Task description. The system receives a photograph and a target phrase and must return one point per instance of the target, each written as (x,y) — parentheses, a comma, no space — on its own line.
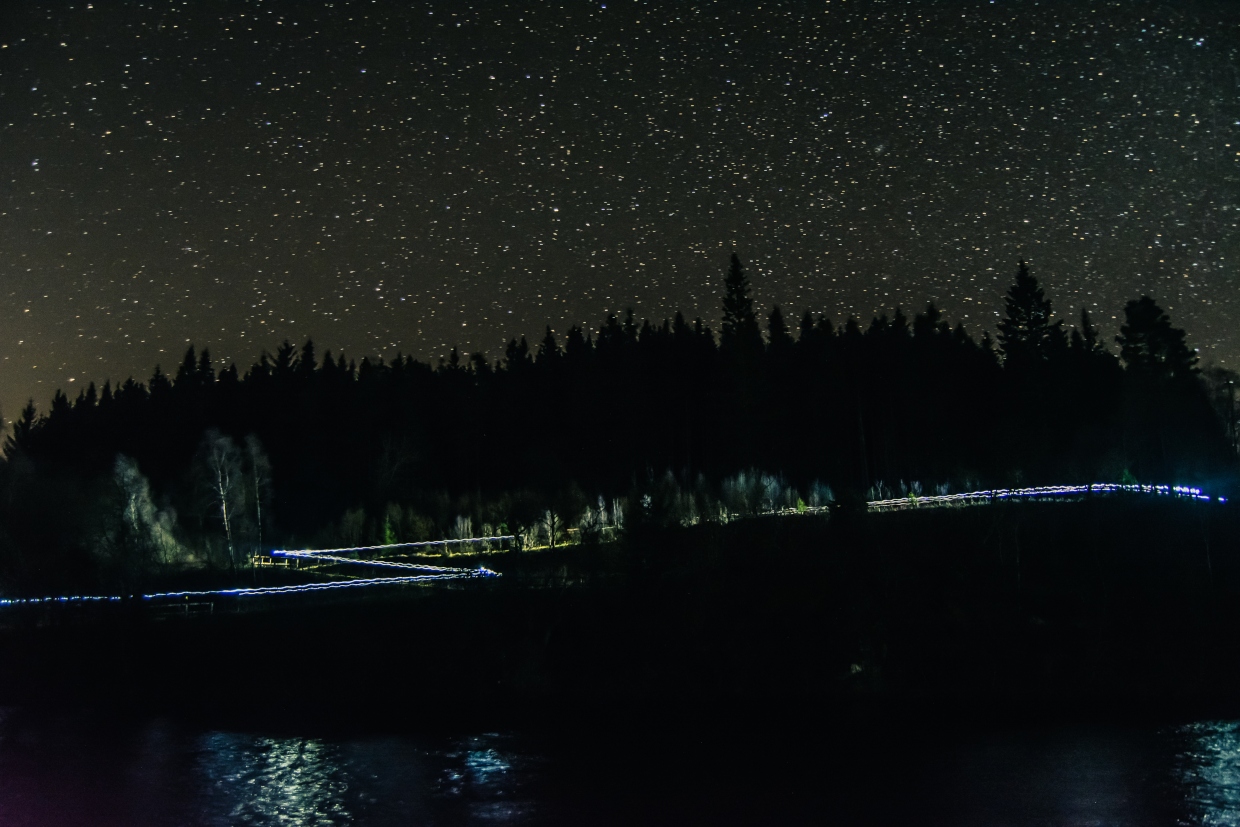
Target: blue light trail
(434,573)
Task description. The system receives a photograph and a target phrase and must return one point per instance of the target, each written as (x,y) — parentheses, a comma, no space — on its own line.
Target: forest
(580,437)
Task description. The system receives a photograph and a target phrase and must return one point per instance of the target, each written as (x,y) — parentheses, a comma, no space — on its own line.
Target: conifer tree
(575,344)
(1150,346)
(779,339)
(516,355)
(807,327)
(285,360)
(548,350)
(307,362)
(1085,337)
(206,373)
(740,333)
(479,365)
(23,430)
(1027,336)
(187,373)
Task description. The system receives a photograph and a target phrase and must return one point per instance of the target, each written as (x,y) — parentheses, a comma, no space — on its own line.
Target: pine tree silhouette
(740,333)
(1027,336)
(778,338)
(1150,346)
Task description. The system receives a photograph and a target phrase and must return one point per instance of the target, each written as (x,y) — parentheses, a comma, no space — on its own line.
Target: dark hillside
(1122,603)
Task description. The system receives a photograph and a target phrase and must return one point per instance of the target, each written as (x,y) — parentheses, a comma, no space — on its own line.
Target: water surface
(77,769)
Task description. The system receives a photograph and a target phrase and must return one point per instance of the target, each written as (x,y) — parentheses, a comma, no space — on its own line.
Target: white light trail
(462,574)
(306,552)
(307,555)
(1044,491)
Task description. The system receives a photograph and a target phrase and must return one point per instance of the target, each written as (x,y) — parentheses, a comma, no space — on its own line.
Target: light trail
(990,495)
(434,573)
(77,598)
(450,573)
(356,562)
(462,574)
(309,552)
(458,574)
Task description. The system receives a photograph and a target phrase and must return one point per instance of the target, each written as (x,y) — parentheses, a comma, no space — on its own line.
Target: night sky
(387,176)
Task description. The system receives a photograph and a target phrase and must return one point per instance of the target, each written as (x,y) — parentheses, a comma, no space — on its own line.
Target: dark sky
(391,175)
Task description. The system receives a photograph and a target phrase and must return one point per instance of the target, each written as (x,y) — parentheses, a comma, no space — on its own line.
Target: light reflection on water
(278,781)
(75,770)
(71,771)
(1207,768)
(308,781)
(481,772)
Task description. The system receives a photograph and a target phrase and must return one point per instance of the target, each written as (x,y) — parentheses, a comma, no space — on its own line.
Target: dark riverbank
(1103,607)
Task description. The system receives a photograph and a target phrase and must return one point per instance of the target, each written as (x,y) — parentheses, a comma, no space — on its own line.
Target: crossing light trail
(433,573)
(363,562)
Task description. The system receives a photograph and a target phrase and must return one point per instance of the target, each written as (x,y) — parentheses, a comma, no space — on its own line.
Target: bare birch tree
(259,483)
(225,484)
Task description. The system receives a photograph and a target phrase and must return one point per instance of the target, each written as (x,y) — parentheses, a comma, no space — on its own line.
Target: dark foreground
(1022,664)
(1126,606)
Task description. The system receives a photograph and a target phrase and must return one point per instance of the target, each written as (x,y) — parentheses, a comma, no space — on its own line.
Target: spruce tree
(1027,336)
(159,385)
(206,373)
(1151,347)
(1088,334)
(779,339)
(807,327)
(548,350)
(740,326)
(187,373)
(23,430)
(306,362)
(517,355)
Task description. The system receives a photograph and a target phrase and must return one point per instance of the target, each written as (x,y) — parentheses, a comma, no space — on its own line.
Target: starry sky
(385,176)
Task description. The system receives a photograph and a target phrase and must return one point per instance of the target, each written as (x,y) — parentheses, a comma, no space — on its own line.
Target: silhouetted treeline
(307,436)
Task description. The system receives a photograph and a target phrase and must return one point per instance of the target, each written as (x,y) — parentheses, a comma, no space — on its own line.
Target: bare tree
(259,483)
(220,461)
(135,537)
(554,526)
(462,529)
(138,512)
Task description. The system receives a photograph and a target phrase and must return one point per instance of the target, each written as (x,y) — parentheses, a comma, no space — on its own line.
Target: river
(80,769)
